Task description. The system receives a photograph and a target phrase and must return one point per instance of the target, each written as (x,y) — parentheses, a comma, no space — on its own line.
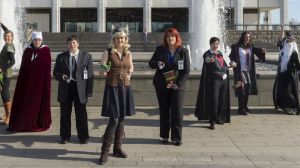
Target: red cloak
(31,102)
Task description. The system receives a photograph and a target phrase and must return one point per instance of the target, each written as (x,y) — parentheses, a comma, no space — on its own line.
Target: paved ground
(264,139)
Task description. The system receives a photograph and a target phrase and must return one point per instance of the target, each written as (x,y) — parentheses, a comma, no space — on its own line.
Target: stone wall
(144,92)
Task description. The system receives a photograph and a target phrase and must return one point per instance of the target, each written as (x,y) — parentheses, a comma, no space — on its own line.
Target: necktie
(74,67)
(247,59)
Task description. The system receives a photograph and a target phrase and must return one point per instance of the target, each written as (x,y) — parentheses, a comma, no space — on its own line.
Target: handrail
(271,27)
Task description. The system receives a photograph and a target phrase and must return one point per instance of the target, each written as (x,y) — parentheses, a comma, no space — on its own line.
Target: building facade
(153,15)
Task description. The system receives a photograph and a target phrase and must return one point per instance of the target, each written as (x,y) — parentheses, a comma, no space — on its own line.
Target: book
(170,77)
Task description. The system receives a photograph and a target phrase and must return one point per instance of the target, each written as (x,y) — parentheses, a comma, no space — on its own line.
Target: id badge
(180,65)
(85,74)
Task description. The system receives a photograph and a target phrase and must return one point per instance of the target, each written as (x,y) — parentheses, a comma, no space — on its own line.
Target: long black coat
(285,89)
(204,105)
(235,56)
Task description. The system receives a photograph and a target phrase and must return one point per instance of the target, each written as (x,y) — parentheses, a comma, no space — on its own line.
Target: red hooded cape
(31,102)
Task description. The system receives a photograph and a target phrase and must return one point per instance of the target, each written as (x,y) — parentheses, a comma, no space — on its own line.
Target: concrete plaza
(264,139)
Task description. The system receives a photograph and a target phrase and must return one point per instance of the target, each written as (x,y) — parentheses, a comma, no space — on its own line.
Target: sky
(294,12)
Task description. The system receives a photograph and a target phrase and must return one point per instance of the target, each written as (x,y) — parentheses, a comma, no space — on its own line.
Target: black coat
(235,56)
(160,54)
(203,104)
(285,89)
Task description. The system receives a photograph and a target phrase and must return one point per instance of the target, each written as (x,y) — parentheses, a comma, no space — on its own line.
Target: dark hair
(242,38)
(213,39)
(8,31)
(71,38)
(174,32)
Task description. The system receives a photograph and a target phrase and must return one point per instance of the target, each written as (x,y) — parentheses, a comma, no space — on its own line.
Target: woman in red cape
(31,102)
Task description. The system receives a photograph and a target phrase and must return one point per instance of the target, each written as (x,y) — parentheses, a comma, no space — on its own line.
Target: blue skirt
(118,101)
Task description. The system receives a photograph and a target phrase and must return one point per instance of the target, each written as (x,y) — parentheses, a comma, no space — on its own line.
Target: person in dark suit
(245,74)
(74,71)
(172,65)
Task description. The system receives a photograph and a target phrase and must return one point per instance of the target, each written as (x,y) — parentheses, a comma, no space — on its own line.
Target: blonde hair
(126,45)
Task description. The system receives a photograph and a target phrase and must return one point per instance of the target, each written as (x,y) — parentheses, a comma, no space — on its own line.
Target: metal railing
(264,27)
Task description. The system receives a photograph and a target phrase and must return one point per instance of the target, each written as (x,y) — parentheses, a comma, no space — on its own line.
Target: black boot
(212,125)
(119,134)
(107,141)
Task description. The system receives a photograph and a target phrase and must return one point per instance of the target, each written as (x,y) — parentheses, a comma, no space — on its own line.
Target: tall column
(147,15)
(101,16)
(270,17)
(191,10)
(55,23)
(239,14)
(284,15)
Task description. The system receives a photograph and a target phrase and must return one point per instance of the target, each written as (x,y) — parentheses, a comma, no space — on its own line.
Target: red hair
(174,32)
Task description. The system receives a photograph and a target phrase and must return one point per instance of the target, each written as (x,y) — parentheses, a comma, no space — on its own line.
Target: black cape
(204,99)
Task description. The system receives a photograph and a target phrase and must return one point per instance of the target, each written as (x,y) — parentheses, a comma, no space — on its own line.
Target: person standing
(171,61)
(73,70)
(245,74)
(7,60)
(31,103)
(213,102)
(145,31)
(285,90)
(118,99)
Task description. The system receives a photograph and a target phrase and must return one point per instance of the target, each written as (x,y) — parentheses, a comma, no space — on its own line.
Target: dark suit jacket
(214,69)
(84,86)
(160,54)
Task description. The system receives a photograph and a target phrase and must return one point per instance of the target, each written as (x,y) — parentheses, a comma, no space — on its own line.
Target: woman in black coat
(172,65)
(245,74)
(213,101)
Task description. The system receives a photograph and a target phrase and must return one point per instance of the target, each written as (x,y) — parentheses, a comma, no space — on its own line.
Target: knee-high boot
(7,107)
(107,141)
(119,134)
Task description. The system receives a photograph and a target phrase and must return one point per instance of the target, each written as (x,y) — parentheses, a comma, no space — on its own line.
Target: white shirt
(243,52)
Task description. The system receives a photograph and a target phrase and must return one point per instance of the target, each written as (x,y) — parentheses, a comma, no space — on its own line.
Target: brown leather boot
(3,117)
(107,141)
(119,134)
(7,107)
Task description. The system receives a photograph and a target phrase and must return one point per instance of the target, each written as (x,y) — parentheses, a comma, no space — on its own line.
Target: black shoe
(212,126)
(242,112)
(84,141)
(178,143)
(221,122)
(164,141)
(247,110)
(64,141)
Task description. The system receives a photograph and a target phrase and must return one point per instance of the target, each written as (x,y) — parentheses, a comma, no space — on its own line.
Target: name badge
(85,74)
(180,65)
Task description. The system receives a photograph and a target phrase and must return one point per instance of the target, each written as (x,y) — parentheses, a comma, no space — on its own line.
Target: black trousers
(170,110)
(219,97)
(243,95)
(80,114)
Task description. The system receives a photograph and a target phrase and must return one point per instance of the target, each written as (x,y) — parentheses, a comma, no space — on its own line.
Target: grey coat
(84,86)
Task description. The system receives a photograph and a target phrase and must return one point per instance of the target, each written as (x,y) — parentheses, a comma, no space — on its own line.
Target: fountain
(207,21)
(11,15)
